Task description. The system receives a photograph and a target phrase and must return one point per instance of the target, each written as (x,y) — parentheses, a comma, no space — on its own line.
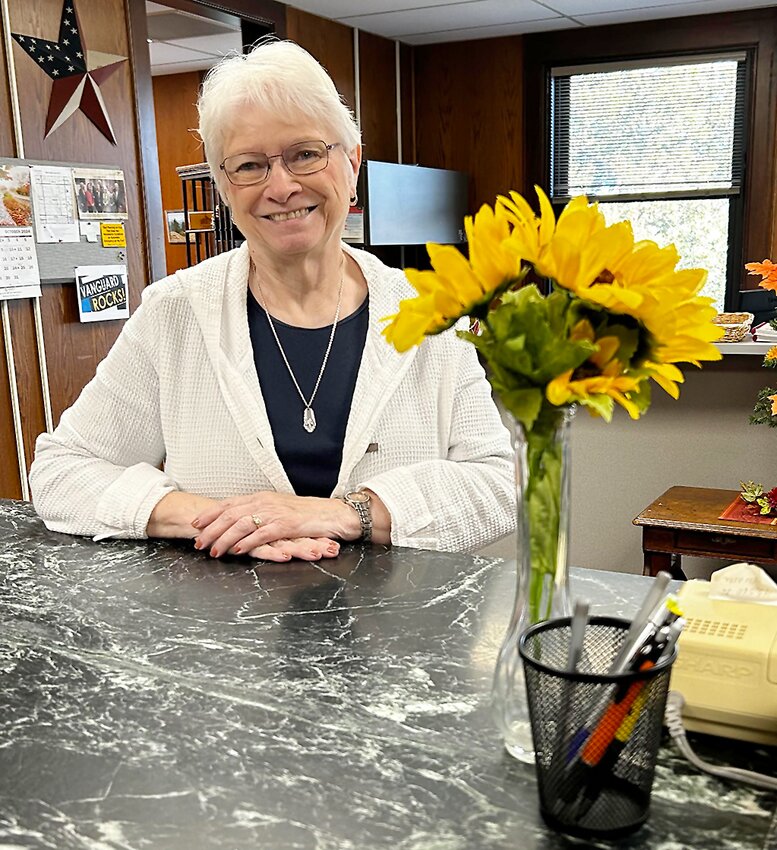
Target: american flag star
(76,81)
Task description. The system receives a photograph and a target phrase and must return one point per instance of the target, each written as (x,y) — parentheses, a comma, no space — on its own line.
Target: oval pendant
(309,420)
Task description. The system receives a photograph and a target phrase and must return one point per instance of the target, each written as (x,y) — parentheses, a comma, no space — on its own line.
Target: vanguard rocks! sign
(102,293)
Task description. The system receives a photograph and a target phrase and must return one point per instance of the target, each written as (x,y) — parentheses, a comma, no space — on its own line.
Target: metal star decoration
(77,73)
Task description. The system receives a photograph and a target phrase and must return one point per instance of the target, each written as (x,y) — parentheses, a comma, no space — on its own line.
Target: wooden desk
(684,521)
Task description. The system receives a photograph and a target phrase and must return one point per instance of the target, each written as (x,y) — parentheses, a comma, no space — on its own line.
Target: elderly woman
(251,402)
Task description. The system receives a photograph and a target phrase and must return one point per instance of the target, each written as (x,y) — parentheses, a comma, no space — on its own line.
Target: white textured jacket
(176,405)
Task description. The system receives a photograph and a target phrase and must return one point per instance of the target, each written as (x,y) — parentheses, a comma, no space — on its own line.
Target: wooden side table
(684,521)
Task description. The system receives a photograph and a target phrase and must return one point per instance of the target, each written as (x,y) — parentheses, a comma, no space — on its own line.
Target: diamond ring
(257,519)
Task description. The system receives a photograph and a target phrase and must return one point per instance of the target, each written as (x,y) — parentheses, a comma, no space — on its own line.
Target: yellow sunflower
(605,266)
(457,287)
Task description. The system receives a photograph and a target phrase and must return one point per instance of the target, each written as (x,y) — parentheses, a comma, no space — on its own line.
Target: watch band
(360,502)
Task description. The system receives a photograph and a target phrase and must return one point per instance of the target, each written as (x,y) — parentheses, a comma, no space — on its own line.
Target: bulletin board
(58,260)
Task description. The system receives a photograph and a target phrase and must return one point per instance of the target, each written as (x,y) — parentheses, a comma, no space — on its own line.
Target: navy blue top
(311,460)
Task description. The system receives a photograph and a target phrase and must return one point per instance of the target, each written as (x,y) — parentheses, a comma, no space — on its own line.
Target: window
(660,142)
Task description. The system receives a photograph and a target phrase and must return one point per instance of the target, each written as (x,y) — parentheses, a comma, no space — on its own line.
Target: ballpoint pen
(596,781)
(576,640)
(654,598)
(664,614)
(602,735)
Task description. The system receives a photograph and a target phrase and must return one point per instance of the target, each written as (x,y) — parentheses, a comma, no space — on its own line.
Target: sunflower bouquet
(765,410)
(617,316)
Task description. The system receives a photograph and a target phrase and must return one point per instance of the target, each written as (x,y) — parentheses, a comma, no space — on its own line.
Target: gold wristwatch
(360,502)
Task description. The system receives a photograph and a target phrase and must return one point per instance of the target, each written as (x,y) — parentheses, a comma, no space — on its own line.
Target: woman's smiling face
(289,214)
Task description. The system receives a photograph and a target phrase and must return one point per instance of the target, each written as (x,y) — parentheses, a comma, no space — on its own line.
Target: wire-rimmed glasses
(246,169)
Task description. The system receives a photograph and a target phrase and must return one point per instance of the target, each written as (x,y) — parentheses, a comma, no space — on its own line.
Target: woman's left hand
(243,523)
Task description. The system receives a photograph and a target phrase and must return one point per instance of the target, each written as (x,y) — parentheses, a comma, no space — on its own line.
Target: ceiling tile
(454,16)
(175,25)
(472,33)
(177,68)
(162,53)
(216,45)
(337,9)
(577,8)
(676,10)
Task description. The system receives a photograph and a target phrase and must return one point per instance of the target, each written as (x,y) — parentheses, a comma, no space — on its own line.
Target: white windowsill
(744,347)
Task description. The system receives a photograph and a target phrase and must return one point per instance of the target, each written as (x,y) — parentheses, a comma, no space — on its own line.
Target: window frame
(734,256)
(752,222)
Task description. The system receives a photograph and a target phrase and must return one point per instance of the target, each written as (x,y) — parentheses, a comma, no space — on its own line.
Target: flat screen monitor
(412,205)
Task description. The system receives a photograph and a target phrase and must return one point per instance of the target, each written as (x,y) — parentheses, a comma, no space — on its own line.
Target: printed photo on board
(99,193)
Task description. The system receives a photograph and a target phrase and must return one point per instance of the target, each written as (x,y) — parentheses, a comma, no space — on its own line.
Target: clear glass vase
(542,587)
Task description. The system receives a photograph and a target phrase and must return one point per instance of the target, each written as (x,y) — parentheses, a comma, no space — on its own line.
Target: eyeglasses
(247,169)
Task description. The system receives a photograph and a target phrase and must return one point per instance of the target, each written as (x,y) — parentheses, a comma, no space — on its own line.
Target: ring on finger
(257,520)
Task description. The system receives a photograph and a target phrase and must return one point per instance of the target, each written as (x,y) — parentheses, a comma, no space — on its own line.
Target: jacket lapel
(382,366)
(219,301)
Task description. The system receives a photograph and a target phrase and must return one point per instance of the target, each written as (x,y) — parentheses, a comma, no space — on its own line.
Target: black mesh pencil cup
(596,736)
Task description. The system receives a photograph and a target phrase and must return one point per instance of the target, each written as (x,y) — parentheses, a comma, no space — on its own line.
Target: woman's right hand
(304,548)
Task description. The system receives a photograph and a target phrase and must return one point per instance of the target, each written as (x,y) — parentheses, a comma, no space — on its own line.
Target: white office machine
(726,667)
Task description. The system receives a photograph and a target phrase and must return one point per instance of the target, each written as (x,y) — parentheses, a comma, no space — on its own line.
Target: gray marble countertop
(153,698)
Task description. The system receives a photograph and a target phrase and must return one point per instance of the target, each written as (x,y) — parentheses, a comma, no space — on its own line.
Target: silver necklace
(308,416)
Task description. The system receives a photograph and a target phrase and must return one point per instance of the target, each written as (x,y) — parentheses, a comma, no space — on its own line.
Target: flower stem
(542,501)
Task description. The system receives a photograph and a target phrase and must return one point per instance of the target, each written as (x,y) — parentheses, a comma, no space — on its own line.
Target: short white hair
(279,76)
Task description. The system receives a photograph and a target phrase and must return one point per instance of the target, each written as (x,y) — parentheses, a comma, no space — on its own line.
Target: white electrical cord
(674,723)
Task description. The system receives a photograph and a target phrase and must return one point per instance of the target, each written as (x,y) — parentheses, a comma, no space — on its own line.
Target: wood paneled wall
(469,108)
(72,349)
(377,82)
(10,484)
(175,106)
(331,43)
(407,103)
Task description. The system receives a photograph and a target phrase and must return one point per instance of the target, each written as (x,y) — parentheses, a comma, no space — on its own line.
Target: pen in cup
(574,653)
(654,598)
(601,771)
(595,783)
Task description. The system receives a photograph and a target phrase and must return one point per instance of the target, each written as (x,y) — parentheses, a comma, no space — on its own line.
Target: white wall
(704,440)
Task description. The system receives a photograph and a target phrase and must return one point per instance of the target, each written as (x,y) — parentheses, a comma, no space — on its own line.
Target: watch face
(357,496)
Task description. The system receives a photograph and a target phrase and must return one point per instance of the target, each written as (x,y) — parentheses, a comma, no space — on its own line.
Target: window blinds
(649,129)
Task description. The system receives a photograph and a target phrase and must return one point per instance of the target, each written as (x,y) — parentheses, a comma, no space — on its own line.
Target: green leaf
(602,405)
(524,404)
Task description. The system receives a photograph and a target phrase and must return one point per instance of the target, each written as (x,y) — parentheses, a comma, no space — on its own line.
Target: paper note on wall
(53,204)
(112,234)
